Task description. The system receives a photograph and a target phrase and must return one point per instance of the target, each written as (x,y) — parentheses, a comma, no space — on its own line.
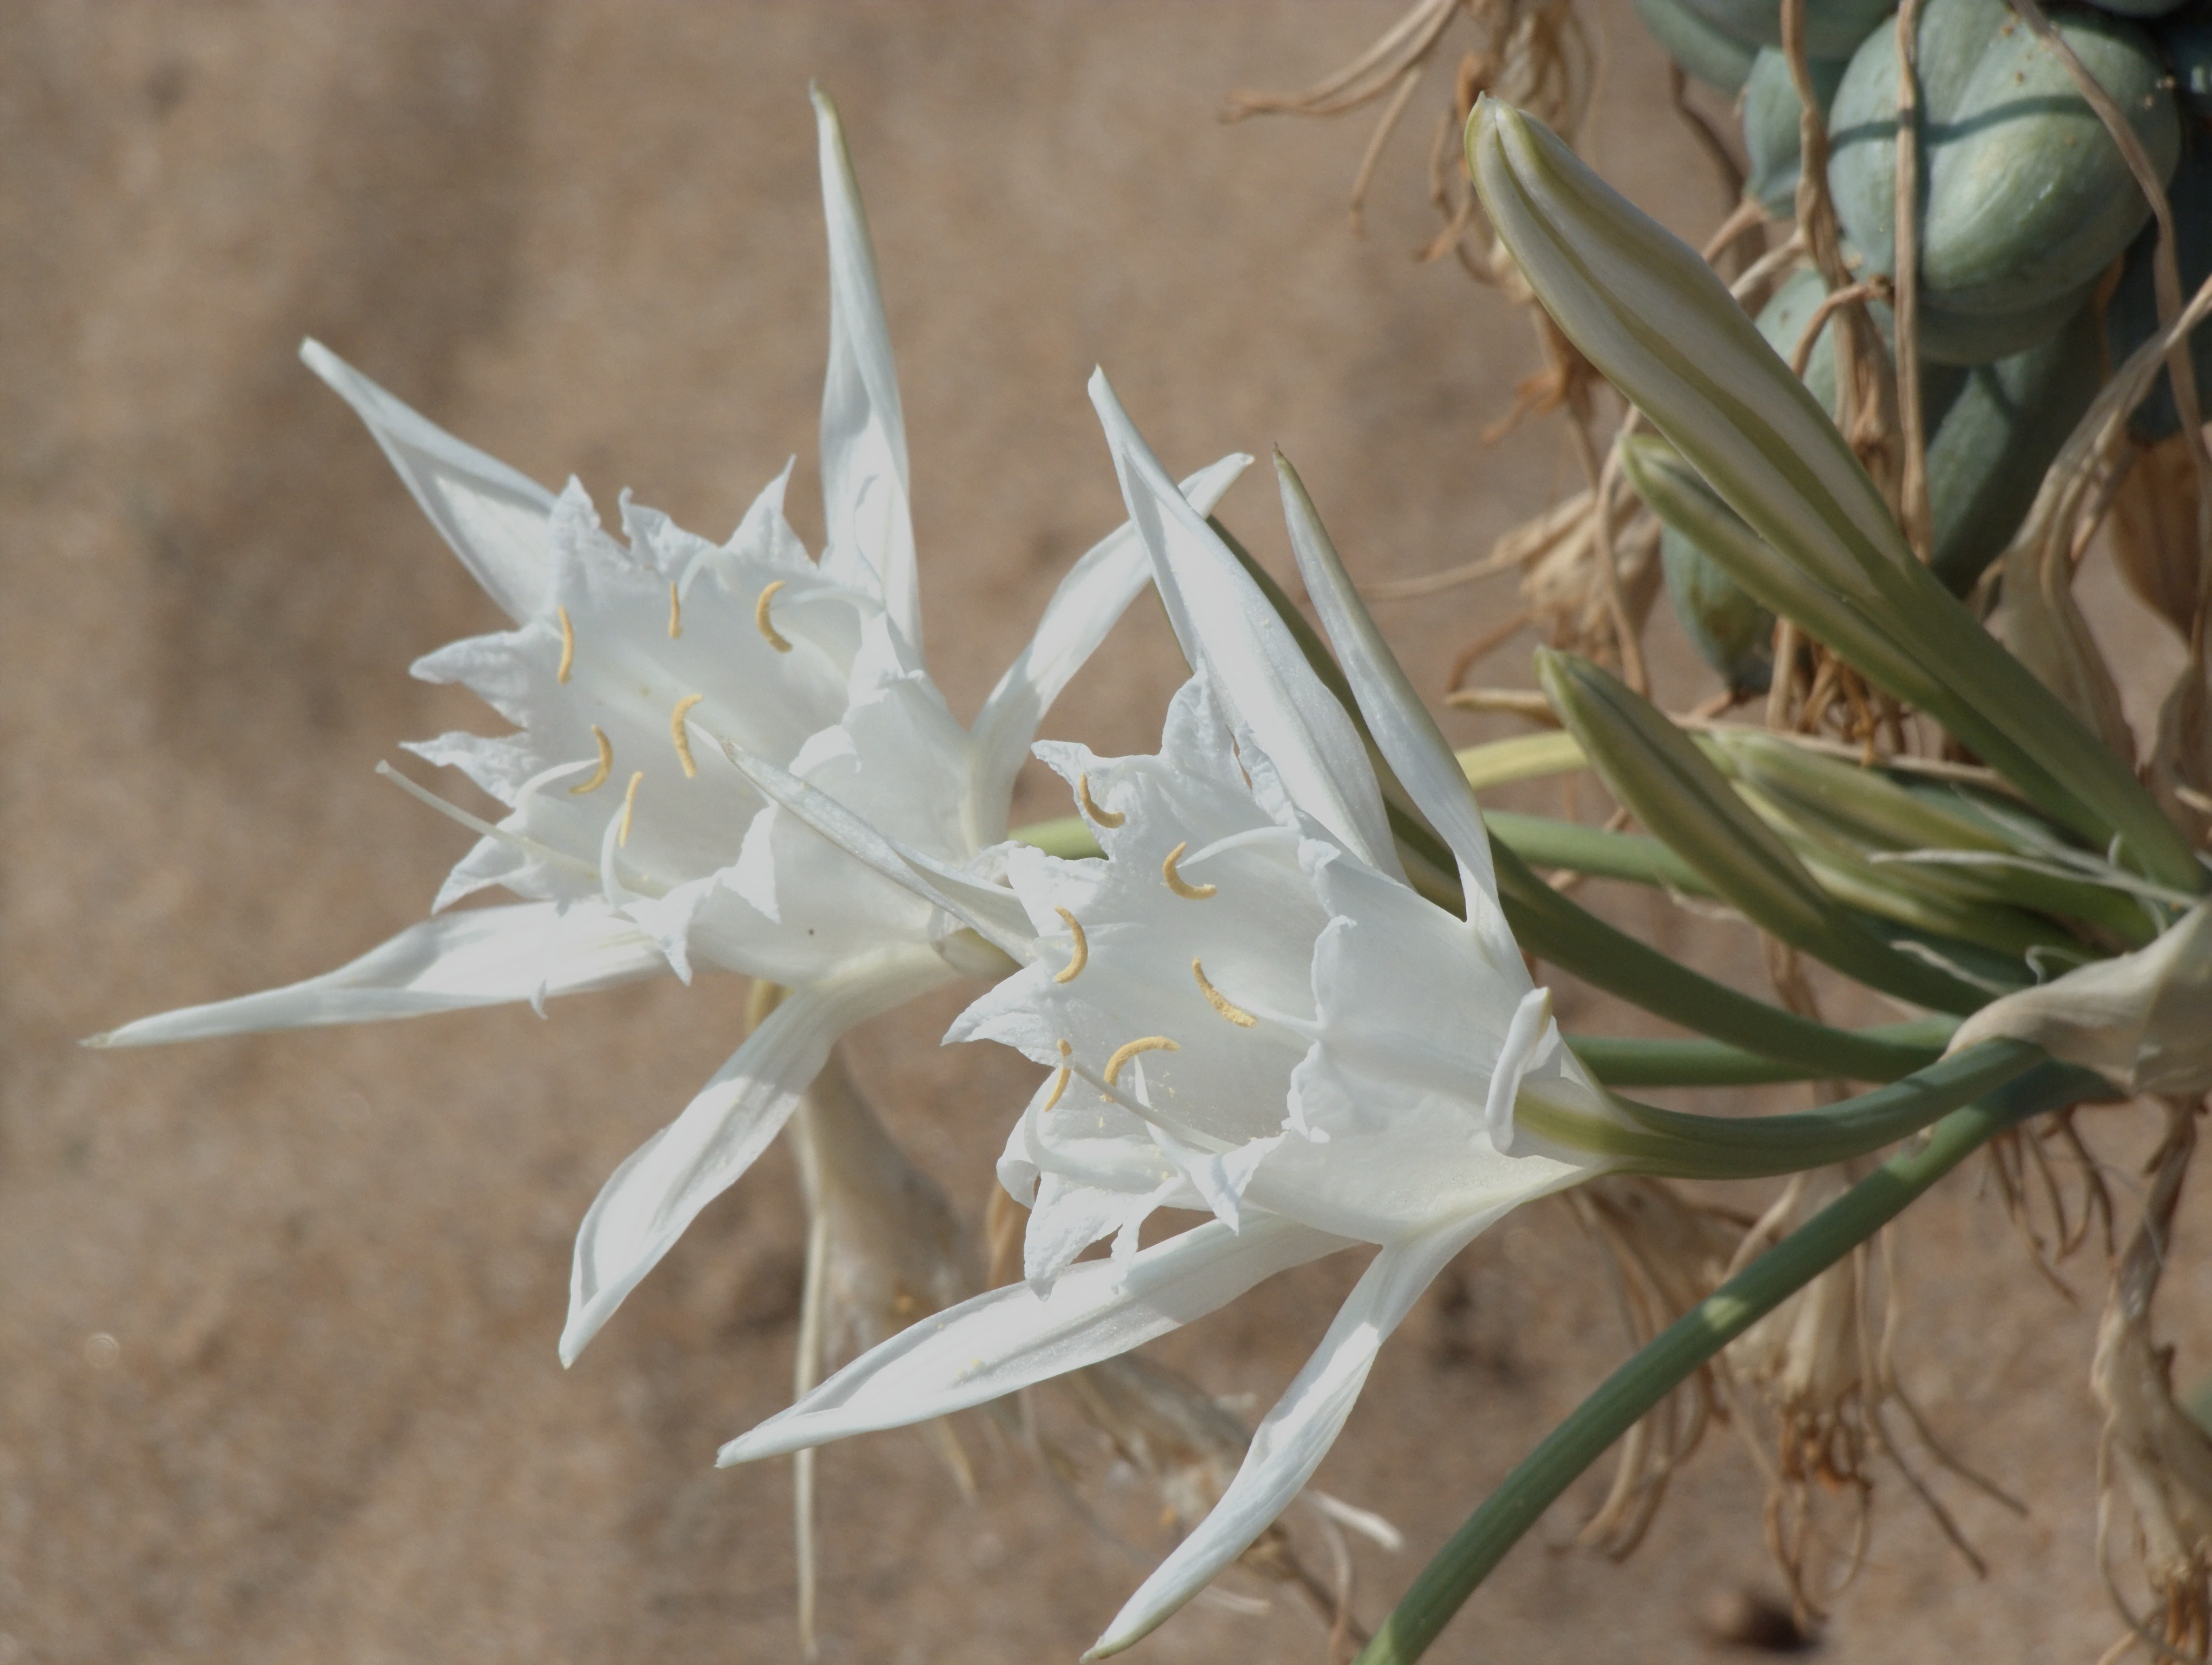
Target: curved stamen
(1081,956)
(1103,817)
(568,646)
(1129,1050)
(1060,1079)
(1177,883)
(768,632)
(1219,1002)
(629,808)
(599,777)
(674,613)
(676,729)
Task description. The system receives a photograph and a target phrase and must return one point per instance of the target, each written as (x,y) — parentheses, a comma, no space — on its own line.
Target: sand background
(277,1378)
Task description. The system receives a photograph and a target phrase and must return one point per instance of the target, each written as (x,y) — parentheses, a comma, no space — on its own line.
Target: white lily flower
(638,852)
(1250,1012)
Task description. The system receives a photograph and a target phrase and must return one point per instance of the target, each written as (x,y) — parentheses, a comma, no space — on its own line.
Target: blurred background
(277,1377)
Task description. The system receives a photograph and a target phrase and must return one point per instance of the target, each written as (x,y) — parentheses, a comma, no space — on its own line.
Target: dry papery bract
(2155,1462)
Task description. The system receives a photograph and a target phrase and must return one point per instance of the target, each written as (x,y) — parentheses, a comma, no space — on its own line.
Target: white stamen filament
(1235,841)
(568,646)
(477,824)
(674,613)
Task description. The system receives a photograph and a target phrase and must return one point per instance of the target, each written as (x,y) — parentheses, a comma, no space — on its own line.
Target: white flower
(640,851)
(1247,1010)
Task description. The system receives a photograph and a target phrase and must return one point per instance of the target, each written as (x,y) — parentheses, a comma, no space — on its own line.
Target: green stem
(1621,1061)
(1687,1344)
(1677,1145)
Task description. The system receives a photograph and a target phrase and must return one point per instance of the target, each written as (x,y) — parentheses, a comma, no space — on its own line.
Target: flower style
(636,845)
(1246,1009)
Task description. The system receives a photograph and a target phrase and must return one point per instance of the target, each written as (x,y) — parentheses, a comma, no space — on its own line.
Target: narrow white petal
(1011,1337)
(1257,667)
(1093,595)
(475,957)
(995,915)
(1404,731)
(1289,1444)
(493,516)
(864,473)
(648,1200)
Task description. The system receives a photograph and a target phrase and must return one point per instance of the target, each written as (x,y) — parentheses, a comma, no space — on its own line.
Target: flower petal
(478,957)
(1289,1444)
(1093,595)
(658,1191)
(1011,1337)
(1257,668)
(493,516)
(864,474)
(1405,733)
(994,914)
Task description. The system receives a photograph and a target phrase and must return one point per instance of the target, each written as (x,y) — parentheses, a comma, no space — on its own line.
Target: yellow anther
(1081,957)
(568,646)
(760,617)
(629,808)
(606,764)
(1176,881)
(1129,1050)
(1059,1077)
(674,613)
(1219,1002)
(682,739)
(1103,817)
